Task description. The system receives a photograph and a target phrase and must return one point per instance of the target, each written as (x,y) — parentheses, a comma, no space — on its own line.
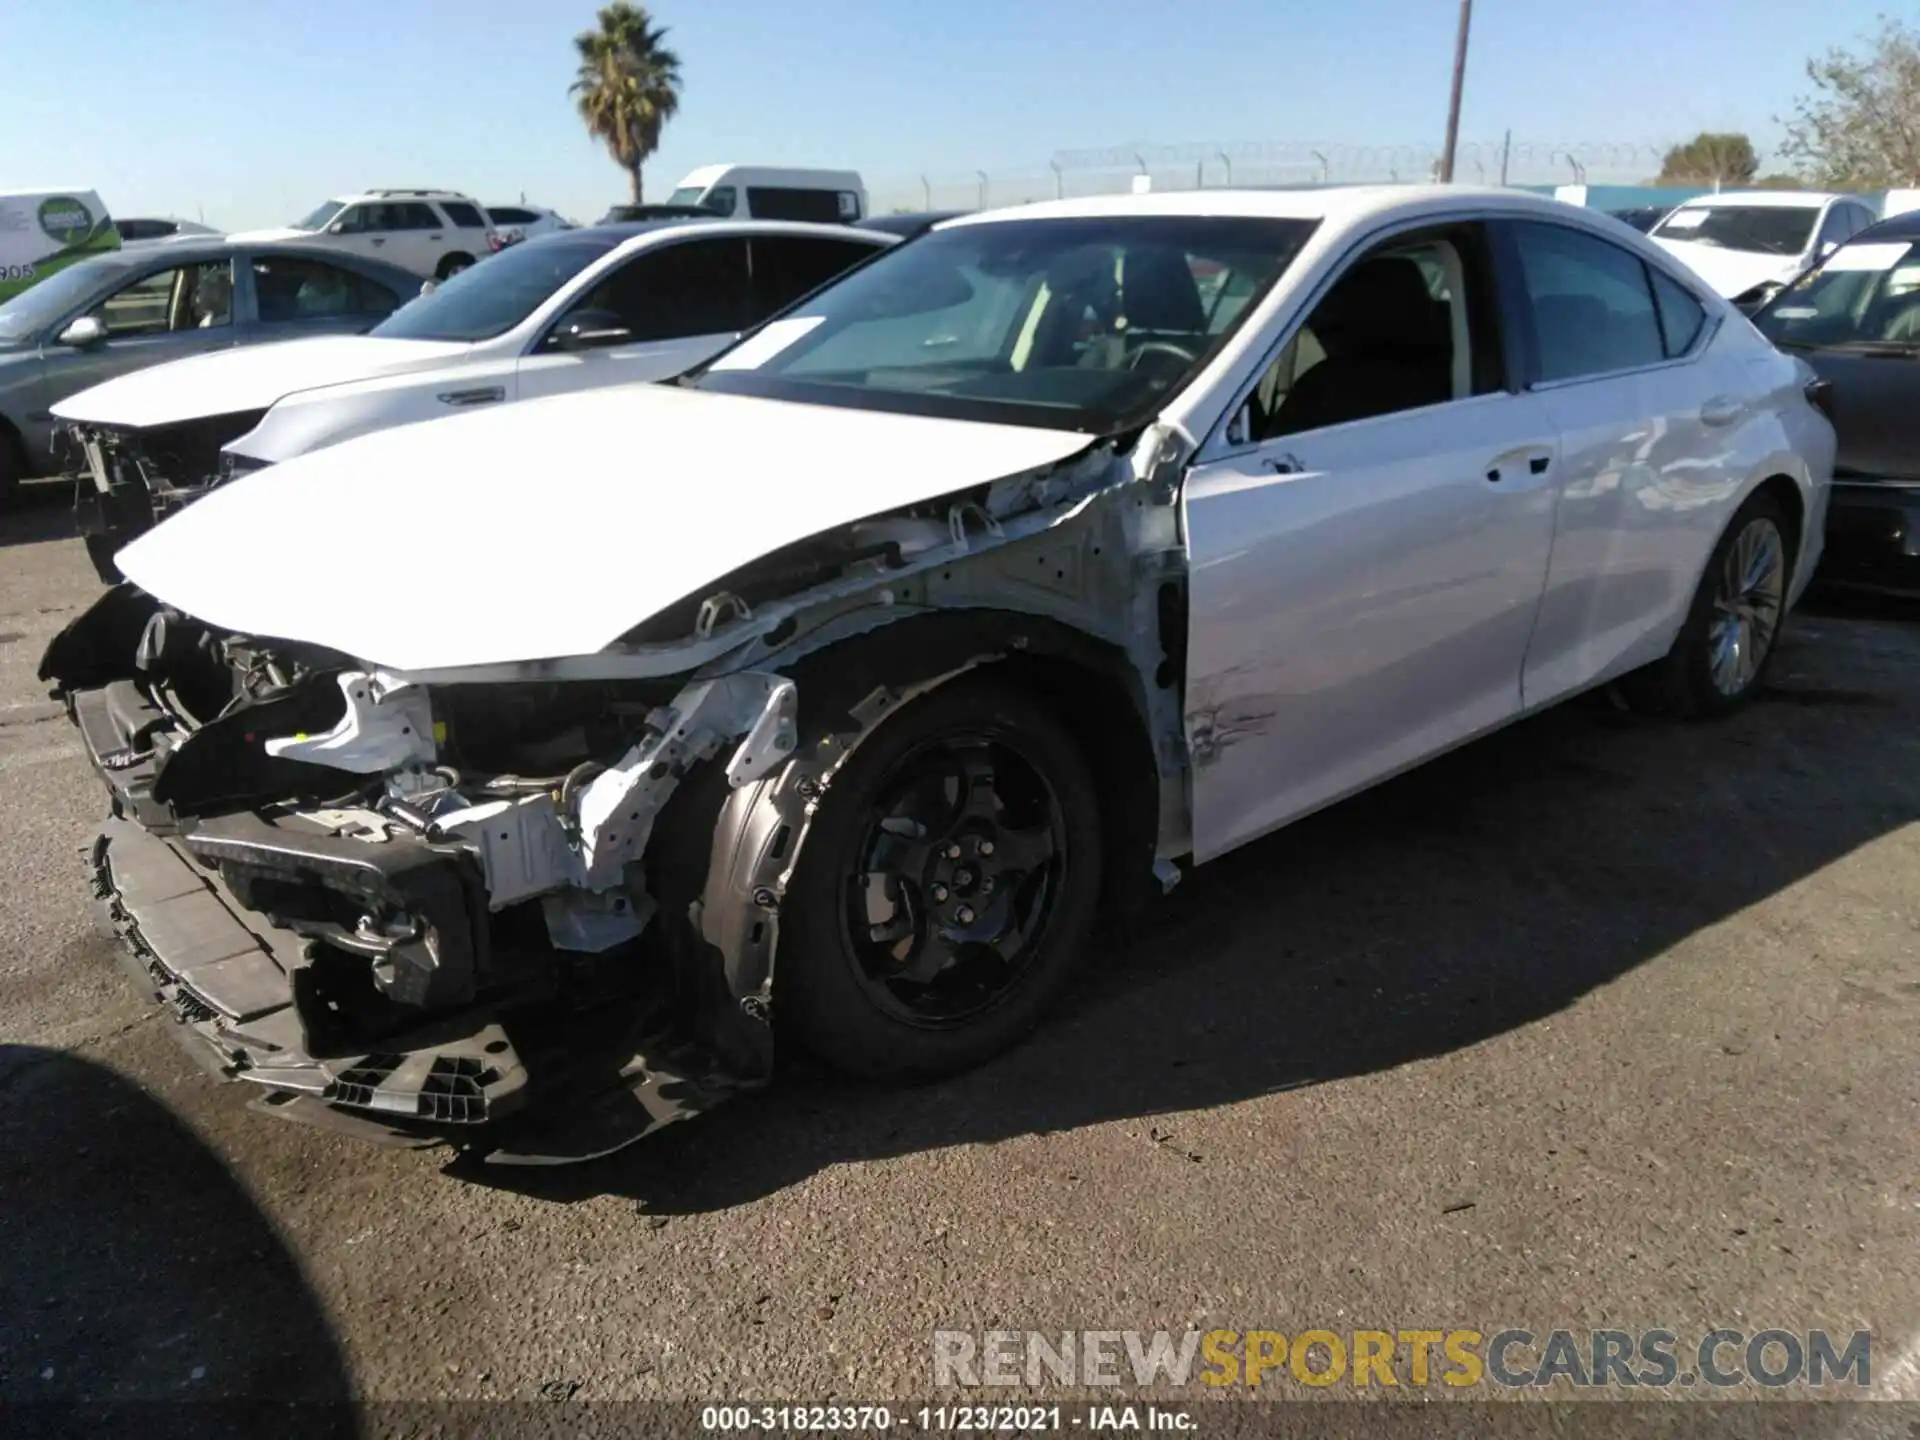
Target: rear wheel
(1722,652)
(947,885)
(451,265)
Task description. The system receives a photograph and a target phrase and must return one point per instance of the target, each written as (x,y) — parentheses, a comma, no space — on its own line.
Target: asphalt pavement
(1597,1023)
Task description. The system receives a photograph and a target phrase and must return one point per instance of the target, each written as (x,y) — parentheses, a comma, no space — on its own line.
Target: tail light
(1820,396)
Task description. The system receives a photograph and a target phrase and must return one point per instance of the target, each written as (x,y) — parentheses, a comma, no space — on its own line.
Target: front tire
(948,883)
(1720,658)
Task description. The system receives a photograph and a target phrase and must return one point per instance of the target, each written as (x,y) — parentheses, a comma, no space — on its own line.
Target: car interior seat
(1388,347)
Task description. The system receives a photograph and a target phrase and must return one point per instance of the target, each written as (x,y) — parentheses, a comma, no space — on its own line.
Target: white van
(43,230)
(763,192)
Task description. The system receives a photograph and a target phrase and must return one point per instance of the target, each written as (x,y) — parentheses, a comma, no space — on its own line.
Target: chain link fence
(1119,169)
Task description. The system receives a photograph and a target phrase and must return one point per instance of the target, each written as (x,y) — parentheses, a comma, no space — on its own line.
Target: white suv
(430,232)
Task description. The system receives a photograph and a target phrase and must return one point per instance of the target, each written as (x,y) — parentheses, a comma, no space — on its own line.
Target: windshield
(1075,324)
(1758,229)
(492,297)
(31,311)
(1866,294)
(687,195)
(317,218)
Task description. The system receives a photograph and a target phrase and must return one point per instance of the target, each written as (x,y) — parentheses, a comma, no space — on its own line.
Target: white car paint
(250,379)
(726,188)
(634,527)
(1360,596)
(1735,272)
(318,392)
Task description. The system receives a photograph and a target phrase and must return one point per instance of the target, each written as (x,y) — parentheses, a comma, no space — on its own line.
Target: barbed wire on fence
(1206,164)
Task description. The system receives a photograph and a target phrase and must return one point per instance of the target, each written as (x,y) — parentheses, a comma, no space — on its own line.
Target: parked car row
(1748,244)
(576,310)
(513,779)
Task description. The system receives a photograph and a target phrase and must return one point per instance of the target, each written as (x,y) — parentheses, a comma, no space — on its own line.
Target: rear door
(666,309)
(1367,541)
(295,296)
(1620,356)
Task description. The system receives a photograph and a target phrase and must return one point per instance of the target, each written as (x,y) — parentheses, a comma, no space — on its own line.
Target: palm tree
(628,85)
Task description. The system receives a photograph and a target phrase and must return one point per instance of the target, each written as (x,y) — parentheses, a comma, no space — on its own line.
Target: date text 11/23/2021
(946,1419)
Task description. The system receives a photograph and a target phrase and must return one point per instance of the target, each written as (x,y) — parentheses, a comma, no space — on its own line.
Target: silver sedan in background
(137,307)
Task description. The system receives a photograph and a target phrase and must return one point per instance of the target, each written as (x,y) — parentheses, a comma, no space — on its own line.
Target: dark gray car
(137,307)
(1855,318)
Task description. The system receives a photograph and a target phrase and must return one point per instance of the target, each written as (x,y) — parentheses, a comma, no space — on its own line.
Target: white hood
(550,527)
(250,378)
(1731,272)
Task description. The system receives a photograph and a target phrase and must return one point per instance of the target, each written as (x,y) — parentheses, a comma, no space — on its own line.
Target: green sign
(65,219)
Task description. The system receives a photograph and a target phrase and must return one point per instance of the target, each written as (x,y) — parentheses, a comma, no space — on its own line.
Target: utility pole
(1459,81)
(1506,153)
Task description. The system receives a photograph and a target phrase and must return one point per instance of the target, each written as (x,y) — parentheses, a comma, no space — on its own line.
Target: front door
(165,314)
(1367,544)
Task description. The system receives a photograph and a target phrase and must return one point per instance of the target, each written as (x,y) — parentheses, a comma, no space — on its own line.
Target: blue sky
(254,110)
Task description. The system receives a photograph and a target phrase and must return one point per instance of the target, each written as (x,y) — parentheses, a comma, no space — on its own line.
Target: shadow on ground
(1489,889)
(134,1268)
(40,510)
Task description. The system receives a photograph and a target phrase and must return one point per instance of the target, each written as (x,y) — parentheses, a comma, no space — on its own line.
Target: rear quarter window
(467,217)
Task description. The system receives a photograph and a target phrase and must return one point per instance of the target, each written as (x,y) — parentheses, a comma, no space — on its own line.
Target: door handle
(378,240)
(1538,463)
(1722,410)
(481,395)
(436,237)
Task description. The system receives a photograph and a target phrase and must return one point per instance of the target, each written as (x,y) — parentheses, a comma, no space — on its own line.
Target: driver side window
(1407,325)
(187,297)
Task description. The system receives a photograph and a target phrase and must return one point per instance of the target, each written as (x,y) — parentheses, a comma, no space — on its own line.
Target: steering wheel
(1161,347)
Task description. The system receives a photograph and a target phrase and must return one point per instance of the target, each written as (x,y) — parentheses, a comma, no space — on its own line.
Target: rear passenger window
(783,202)
(463,215)
(785,267)
(1681,316)
(293,288)
(414,216)
(1592,304)
(695,287)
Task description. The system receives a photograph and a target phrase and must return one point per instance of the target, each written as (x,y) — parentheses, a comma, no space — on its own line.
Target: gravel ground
(1595,1023)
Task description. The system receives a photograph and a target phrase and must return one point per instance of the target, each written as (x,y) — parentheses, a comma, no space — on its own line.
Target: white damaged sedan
(513,779)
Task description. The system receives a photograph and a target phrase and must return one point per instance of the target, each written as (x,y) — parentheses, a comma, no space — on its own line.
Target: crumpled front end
(402,912)
(128,480)
(534,906)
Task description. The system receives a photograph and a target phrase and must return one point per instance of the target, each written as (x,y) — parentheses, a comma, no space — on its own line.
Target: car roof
(192,249)
(620,231)
(1766,199)
(1337,204)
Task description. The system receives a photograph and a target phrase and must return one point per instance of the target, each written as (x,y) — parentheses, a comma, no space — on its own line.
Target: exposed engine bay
(542,900)
(129,480)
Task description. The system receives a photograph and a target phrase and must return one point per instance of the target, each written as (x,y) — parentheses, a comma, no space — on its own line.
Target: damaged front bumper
(126,481)
(401,961)
(231,980)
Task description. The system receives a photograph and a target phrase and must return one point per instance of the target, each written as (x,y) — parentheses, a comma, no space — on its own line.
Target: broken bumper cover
(230,979)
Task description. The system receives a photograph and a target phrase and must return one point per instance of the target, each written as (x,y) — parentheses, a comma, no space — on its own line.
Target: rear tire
(948,883)
(1719,659)
(451,265)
